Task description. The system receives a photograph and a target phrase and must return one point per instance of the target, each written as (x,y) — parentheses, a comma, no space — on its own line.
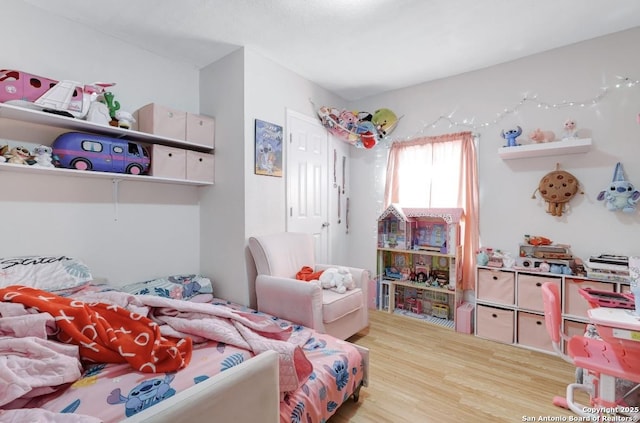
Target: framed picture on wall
(268,149)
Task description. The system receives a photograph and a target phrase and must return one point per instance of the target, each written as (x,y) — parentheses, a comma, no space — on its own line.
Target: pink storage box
(162,121)
(168,162)
(574,303)
(200,167)
(530,291)
(200,130)
(496,286)
(176,124)
(464,318)
(495,324)
(532,331)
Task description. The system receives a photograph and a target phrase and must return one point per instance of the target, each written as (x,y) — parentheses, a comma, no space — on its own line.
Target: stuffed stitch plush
(621,194)
(338,279)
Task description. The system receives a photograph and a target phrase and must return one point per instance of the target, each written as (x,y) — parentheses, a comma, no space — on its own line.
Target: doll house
(432,229)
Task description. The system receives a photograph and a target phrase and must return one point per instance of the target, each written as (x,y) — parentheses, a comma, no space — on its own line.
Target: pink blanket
(31,365)
(203,321)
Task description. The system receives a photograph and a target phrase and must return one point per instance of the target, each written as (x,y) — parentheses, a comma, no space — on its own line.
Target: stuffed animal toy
(17,155)
(539,136)
(621,194)
(511,136)
(125,119)
(42,156)
(557,188)
(569,130)
(385,121)
(337,279)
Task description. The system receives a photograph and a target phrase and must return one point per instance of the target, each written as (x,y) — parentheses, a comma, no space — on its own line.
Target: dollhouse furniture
(419,251)
(278,257)
(601,362)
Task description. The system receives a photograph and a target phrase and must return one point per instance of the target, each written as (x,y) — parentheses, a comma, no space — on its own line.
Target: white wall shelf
(32,116)
(30,120)
(54,171)
(554,148)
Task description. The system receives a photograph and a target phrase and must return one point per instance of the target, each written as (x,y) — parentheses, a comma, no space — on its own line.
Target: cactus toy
(113,106)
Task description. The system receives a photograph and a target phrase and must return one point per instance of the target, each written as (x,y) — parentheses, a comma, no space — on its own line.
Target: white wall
(238,89)
(507,212)
(154,233)
(222,210)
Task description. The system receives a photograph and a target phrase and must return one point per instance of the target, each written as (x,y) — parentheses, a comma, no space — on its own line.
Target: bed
(173,348)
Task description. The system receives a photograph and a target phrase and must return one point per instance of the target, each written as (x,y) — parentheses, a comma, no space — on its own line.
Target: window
(94,146)
(439,172)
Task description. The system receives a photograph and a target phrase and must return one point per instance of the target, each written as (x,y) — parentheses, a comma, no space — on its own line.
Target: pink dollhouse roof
(449,215)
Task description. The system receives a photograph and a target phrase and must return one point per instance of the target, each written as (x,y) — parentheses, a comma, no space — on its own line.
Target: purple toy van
(76,150)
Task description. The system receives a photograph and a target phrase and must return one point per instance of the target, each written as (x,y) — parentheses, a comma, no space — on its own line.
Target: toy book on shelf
(410,228)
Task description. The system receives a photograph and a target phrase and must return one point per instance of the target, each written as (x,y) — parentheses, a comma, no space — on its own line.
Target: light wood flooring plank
(424,373)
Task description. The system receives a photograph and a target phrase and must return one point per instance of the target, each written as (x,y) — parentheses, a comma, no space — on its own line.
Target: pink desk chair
(600,362)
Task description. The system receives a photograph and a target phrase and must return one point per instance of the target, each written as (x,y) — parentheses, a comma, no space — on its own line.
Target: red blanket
(106,333)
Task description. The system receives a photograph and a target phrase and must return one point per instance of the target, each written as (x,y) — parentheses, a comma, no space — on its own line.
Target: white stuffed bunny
(338,279)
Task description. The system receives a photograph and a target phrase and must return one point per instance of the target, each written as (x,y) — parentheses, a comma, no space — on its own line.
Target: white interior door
(307,180)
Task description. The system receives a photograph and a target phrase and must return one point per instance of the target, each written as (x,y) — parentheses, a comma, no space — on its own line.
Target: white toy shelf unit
(419,262)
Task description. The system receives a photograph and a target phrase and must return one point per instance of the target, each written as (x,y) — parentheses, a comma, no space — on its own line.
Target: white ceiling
(354,48)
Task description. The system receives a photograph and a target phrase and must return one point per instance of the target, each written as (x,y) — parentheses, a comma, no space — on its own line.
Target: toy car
(67,98)
(76,150)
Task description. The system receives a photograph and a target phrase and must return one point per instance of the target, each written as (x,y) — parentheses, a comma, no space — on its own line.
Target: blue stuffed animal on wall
(511,136)
(621,194)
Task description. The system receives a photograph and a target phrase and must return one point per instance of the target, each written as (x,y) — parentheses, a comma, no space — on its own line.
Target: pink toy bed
(174,352)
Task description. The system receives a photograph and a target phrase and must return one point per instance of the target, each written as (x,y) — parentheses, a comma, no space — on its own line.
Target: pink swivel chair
(600,364)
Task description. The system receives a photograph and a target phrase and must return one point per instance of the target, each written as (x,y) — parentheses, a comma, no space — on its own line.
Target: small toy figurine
(621,194)
(42,156)
(511,136)
(17,155)
(125,119)
(113,106)
(539,136)
(569,129)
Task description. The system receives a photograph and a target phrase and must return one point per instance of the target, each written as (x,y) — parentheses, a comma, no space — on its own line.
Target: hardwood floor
(424,373)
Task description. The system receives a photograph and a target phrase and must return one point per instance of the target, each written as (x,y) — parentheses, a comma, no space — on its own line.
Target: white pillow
(49,273)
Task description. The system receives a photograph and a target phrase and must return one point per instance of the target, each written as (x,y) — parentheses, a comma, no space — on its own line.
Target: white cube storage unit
(510,309)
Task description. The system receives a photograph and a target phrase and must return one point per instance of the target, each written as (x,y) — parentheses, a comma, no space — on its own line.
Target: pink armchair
(279,257)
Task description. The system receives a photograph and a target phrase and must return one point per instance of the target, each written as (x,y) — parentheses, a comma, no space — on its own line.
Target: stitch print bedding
(192,342)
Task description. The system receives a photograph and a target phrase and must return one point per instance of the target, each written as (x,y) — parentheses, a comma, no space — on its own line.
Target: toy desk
(619,327)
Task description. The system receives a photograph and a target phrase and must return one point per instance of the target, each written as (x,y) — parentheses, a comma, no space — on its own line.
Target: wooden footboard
(246,393)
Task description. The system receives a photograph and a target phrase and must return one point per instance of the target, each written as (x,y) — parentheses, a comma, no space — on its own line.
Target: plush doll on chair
(337,279)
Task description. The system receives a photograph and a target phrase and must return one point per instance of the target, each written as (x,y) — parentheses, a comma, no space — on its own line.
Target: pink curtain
(425,160)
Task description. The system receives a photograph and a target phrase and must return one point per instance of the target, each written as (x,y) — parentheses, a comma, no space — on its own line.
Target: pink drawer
(168,162)
(532,331)
(494,323)
(200,166)
(162,121)
(200,130)
(496,286)
(530,291)
(574,303)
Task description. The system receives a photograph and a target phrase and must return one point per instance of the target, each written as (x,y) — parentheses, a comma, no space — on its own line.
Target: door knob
(325,224)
